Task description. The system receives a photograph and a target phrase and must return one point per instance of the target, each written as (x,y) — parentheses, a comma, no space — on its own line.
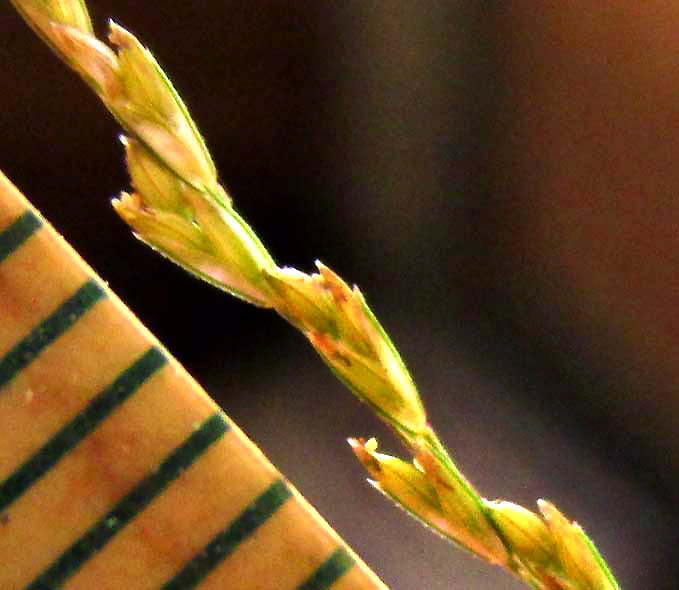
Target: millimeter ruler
(117,471)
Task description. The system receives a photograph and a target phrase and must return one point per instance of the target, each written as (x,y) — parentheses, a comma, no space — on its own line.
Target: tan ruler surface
(117,471)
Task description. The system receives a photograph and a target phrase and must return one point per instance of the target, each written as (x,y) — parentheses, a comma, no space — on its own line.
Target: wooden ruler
(117,471)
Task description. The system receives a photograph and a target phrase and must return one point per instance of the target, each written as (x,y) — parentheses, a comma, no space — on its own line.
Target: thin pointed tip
(547,509)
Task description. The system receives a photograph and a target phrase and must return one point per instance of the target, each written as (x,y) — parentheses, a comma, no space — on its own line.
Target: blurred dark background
(500,181)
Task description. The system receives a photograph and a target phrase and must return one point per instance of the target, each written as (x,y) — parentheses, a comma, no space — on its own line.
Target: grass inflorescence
(179,208)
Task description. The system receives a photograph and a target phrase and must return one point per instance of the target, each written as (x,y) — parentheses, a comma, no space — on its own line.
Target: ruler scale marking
(339,563)
(97,410)
(228,540)
(132,504)
(65,316)
(13,236)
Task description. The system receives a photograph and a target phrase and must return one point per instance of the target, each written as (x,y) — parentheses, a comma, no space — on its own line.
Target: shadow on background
(500,183)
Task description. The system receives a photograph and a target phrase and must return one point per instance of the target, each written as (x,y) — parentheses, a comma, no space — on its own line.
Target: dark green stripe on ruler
(228,540)
(338,564)
(17,233)
(132,504)
(80,426)
(67,314)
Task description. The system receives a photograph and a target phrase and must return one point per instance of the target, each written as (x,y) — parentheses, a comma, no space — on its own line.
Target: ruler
(117,471)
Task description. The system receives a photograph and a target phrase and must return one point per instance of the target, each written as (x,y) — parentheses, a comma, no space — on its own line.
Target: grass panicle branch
(179,208)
